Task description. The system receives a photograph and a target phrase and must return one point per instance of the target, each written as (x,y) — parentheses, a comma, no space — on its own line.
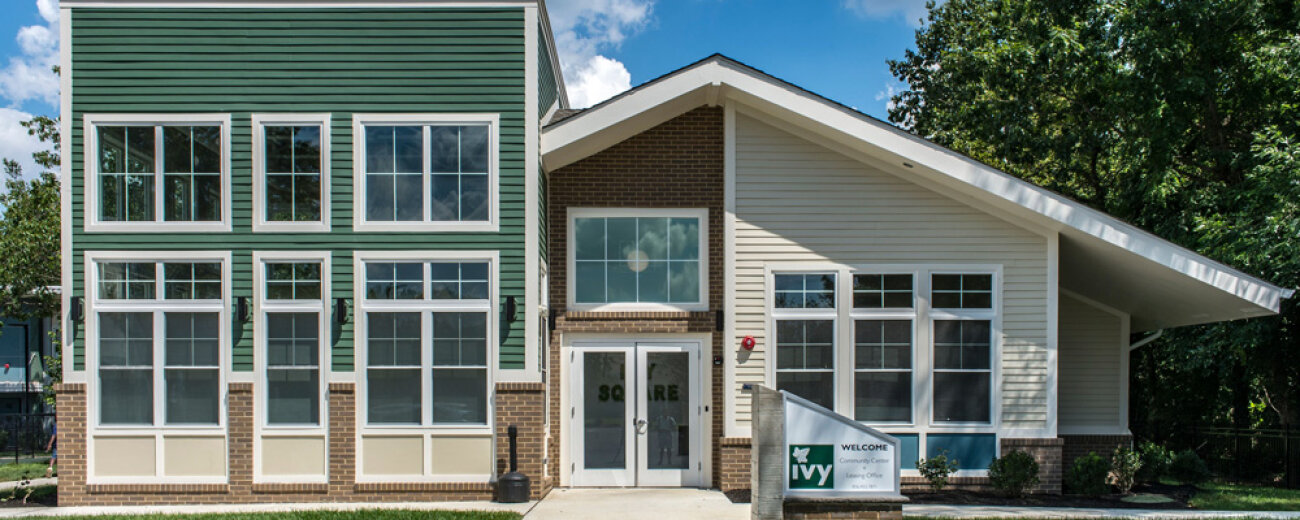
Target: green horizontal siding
(340,61)
(547,89)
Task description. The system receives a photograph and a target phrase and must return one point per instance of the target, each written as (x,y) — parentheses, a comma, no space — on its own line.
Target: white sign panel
(828,454)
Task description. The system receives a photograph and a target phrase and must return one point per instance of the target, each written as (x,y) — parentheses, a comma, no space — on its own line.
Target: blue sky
(836,48)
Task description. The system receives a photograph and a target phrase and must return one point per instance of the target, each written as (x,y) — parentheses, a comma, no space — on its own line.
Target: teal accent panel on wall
(972,450)
(244,61)
(909,449)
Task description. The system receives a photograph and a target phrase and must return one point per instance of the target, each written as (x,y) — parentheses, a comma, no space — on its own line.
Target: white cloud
(16,144)
(28,77)
(912,11)
(584,29)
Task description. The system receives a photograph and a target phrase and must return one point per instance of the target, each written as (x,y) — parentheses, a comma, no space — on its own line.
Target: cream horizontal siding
(1092,341)
(797,201)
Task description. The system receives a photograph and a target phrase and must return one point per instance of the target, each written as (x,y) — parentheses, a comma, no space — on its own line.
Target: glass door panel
(603,418)
(668,415)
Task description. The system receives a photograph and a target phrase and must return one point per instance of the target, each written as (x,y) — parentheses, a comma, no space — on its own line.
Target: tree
(30,233)
(1177,116)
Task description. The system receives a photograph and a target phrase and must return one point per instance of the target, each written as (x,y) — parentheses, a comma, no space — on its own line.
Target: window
(805,291)
(962,291)
(805,359)
(624,259)
(427,332)
(158,355)
(293,325)
(422,171)
(882,382)
(291,172)
(158,169)
(882,291)
(962,371)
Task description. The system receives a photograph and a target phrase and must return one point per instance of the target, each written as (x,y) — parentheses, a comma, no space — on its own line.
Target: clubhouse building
(329,250)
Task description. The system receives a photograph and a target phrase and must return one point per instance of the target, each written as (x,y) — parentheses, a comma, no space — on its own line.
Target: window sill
(291,227)
(157,227)
(427,227)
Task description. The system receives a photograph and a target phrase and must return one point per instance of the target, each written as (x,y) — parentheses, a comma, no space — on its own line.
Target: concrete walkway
(637,504)
(22,512)
(944,511)
(35,482)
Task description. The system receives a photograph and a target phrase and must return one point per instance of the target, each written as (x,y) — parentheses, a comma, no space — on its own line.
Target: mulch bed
(1180,495)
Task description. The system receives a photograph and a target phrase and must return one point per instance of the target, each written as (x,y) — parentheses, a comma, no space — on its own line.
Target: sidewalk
(945,511)
(21,512)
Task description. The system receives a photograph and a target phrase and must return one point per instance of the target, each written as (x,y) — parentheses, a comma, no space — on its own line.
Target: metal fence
(24,437)
(1270,456)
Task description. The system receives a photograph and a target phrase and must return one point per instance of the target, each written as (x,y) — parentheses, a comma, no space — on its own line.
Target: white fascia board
(202,4)
(573,138)
(562,93)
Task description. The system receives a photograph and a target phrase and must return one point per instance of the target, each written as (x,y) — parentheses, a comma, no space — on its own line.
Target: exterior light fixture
(637,260)
(511,309)
(241,308)
(341,310)
(74,308)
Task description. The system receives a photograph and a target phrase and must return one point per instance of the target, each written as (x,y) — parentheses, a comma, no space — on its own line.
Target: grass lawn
(1236,497)
(13,471)
(316,515)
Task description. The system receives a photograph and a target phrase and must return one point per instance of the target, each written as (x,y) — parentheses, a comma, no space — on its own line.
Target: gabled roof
(1158,283)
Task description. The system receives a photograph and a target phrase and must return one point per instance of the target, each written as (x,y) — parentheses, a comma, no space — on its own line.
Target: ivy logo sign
(812,466)
(828,454)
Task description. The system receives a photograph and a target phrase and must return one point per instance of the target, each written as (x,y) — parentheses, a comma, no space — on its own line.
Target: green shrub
(1155,462)
(1188,468)
(937,469)
(1124,465)
(1088,474)
(4,439)
(1014,474)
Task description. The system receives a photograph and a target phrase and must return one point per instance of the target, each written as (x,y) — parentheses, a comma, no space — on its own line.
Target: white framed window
(426,335)
(638,259)
(804,321)
(962,317)
(157,172)
(909,348)
(884,325)
(292,328)
(426,172)
(291,172)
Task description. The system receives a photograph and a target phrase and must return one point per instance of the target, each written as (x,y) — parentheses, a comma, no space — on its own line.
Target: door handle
(640,426)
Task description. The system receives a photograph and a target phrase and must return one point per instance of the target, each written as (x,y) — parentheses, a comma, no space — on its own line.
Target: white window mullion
(426,369)
(845,345)
(426,175)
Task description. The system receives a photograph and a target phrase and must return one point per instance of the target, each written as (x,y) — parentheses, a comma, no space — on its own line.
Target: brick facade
(735,468)
(1079,445)
(523,405)
(1047,452)
(518,404)
(678,164)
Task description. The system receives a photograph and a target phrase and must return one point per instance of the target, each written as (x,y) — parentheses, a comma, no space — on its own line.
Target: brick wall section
(342,487)
(1047,452)
(735,468)
(523,405)
(841,509)
(1079,445)
(70,402)
(678,164)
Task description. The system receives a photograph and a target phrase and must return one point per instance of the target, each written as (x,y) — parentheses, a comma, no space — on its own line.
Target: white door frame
(571,395)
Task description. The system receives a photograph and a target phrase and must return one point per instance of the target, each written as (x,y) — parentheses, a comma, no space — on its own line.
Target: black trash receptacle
(513,487)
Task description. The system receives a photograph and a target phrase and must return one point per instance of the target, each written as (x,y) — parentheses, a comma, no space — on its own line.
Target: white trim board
(659,100)
(276,4)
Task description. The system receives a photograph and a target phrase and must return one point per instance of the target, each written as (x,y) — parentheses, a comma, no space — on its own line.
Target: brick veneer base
(734,473)
(516,403)
(1079,445)
(841,509)
(1047,452)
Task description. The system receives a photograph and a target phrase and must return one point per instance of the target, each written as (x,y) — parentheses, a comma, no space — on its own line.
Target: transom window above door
(427,173)
(621,259)
(158,172)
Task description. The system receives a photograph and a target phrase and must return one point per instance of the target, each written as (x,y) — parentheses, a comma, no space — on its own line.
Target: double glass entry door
(635,415)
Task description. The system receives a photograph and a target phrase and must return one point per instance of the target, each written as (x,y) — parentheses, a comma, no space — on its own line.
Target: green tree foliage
(29,233)
(1180,117)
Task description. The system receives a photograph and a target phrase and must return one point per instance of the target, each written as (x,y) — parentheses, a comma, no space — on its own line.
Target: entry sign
(830,455)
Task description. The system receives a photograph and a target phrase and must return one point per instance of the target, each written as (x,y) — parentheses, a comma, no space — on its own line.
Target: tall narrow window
(459,367)
(293,338)
(126,368)
(882,381)
(426,172)
(127,162)
(293,173)
(805,359)
(394,362)
(963,374)
(192,372)
(191,173)
(293,368)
